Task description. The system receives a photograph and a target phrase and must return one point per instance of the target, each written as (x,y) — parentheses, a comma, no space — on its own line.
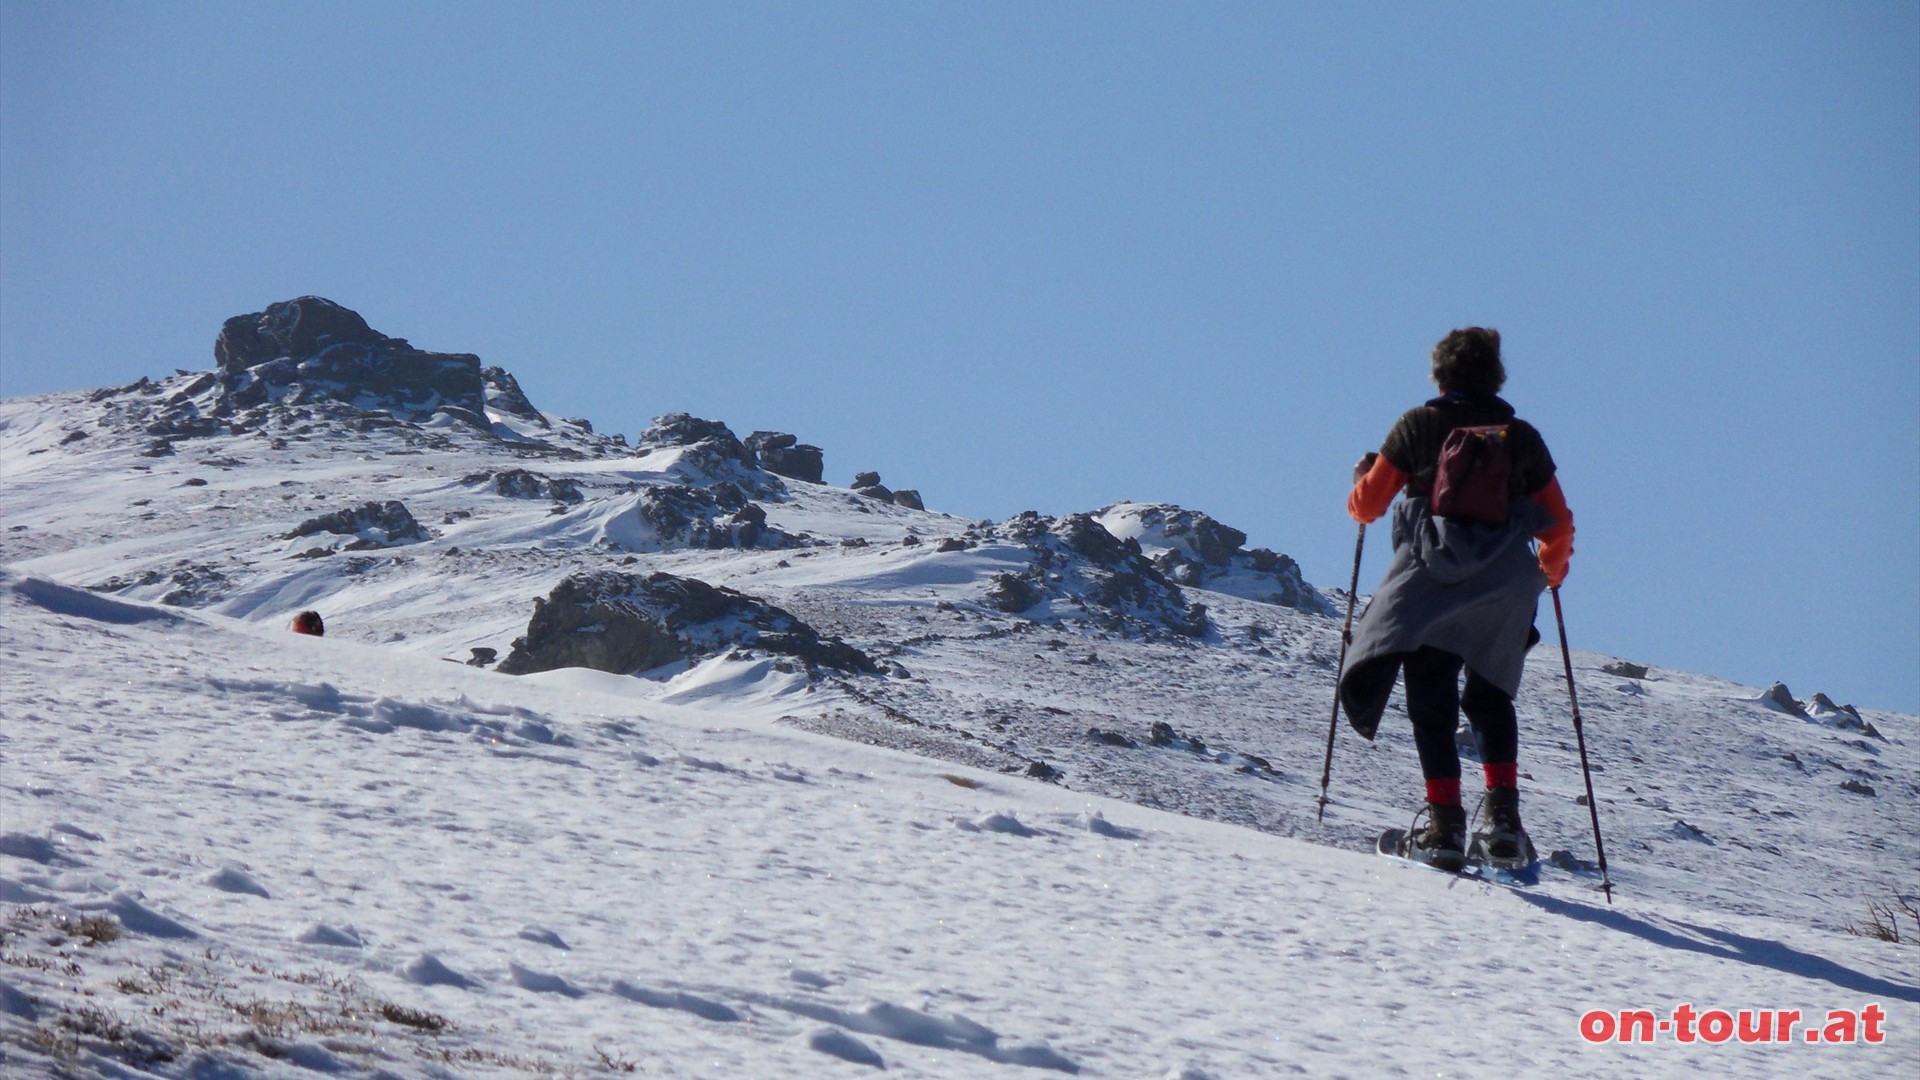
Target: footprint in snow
(35,849)
(1097,824)
(886,1020)
(427,970)
(235,880)
(1688,832)
(338,937)
(998,823)
(676,999)
(17,1003)
(141,919)
(542,983)
(543,935)
(837,1043)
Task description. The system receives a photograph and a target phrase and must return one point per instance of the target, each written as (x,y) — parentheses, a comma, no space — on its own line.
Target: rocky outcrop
(1194,549)
(623,624)
(504,395)
(1283,582)
(868,484)
(1077,561)
(526,484)
(708,452)
(1779,697)
(713,517)
(312,349)
(372,524)
(1013,593)
(785,455)
(686,430)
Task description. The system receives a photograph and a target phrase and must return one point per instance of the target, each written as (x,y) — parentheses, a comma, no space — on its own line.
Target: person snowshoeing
(1461,591)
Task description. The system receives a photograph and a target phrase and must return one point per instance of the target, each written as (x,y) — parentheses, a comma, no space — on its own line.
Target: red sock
(1444,792)
(1506,774)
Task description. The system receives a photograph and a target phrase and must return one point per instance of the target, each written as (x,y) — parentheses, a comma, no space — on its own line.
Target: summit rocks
(312,349)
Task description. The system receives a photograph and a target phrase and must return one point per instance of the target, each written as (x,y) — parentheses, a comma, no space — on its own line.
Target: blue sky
(1048,256)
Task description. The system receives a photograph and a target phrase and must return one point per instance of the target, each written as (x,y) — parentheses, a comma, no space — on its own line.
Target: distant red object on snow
(308,622)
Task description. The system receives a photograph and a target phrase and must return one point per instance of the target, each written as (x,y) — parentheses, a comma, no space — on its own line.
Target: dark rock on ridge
(1290,588)
(1013,593)
(503,394)
(621,623)
(312,349)
(376,524)
(785,455)
(710,452)
(526,484)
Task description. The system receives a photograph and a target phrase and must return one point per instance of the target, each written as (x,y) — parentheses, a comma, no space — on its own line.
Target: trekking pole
(1346,639)
(1593,806)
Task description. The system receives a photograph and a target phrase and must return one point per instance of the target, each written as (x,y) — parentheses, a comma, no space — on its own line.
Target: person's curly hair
(1468,362)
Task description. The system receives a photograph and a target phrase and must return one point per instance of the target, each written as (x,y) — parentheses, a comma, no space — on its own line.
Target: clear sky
(1048,256)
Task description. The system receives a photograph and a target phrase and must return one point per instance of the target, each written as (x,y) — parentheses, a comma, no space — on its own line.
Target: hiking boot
(1443,843)
(1504,843)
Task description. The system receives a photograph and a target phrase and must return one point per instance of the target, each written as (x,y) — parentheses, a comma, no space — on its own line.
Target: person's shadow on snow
(1728,946)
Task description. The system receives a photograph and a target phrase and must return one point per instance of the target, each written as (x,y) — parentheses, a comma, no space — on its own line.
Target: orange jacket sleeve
(1556,543)
(1375,491)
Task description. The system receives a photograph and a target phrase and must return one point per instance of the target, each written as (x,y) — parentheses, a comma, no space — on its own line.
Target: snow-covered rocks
(704,452)
(526,484)
(371,524)
(312,349)
(671,516)
(1094,576)
(620,623)
(1193,549)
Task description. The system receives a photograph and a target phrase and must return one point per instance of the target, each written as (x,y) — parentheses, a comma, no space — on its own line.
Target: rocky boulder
(1013,593)
(372,524)
(312,349)
(503,394)
(623,624)
(717,516)
(709,452)
(1076,560)
(1194,549)
(526,484)
(785,455)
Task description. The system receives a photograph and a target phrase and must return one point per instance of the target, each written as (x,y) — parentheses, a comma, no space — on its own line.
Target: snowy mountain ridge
(1099,839)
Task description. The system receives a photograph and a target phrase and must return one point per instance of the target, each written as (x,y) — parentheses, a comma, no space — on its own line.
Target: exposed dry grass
(1885,920)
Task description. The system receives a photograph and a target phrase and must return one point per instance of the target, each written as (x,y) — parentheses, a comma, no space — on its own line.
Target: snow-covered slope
(351,855)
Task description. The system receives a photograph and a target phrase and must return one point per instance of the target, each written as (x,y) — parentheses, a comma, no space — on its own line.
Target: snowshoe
(1441,845)
(1501,841)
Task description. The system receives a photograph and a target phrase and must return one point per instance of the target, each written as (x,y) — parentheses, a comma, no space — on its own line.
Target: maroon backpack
(1471,483)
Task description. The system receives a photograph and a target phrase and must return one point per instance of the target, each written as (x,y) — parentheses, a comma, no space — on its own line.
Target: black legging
(1434,702)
